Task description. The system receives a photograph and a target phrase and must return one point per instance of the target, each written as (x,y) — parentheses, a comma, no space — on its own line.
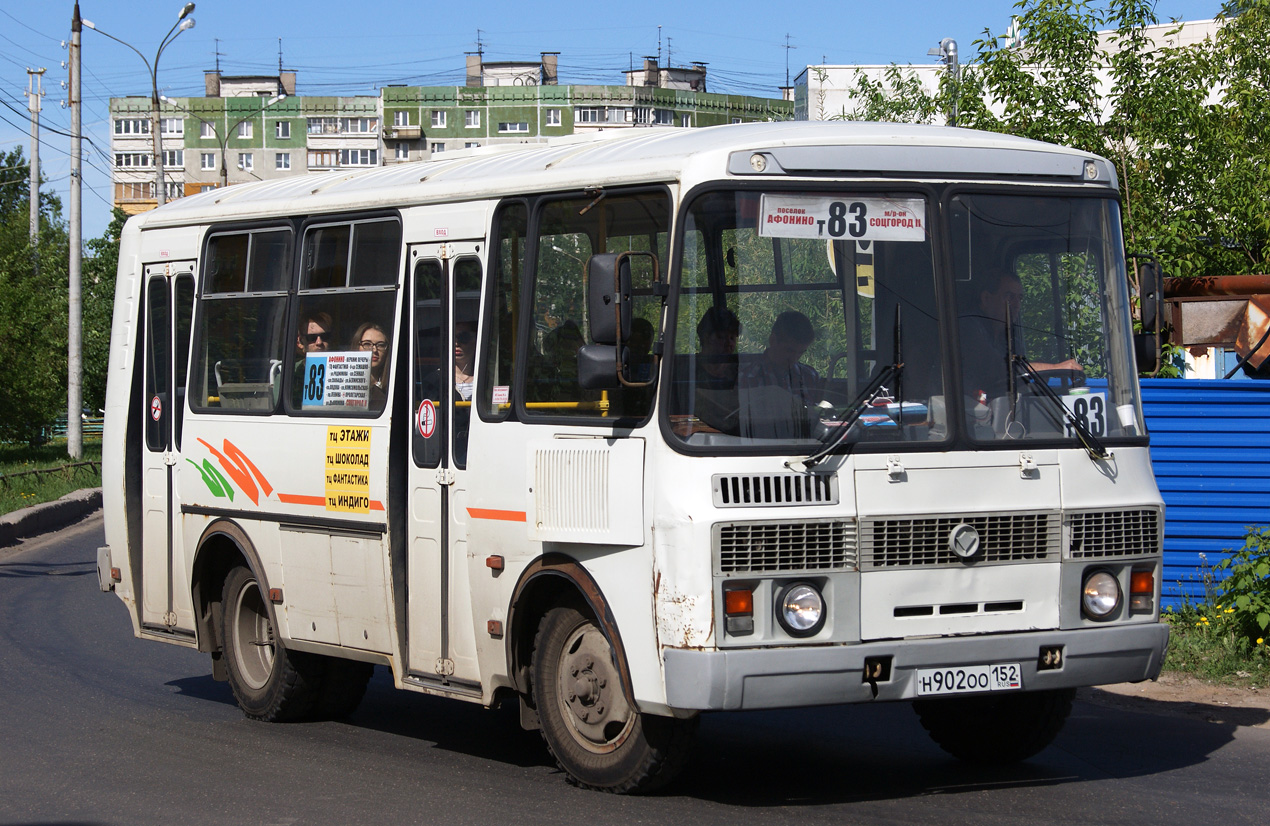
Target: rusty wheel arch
(551,580)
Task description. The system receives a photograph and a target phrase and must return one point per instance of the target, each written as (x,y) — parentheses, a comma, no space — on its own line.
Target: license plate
(967,678)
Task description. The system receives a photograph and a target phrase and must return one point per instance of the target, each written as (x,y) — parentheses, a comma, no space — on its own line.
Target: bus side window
(341,343)
(240,335)
(506,268)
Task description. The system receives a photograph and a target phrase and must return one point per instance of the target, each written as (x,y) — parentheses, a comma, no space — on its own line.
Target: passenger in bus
(779,366)
(370,337)
(464,359)
(312,336)
(714,400)
(984,349)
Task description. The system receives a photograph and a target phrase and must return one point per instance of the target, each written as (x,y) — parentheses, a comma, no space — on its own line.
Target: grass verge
(19,488)
(1201,645)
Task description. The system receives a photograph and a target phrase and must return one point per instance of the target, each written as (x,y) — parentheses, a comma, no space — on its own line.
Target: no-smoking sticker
(156,408)
(427,419)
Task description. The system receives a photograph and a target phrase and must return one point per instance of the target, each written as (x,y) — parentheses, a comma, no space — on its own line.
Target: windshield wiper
(875,388)
(1087,439)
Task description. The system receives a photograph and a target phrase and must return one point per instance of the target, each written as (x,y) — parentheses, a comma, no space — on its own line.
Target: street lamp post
(183,22)
(224,141)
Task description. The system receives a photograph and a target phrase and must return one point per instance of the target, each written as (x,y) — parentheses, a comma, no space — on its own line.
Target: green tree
(32,307)
(99,271)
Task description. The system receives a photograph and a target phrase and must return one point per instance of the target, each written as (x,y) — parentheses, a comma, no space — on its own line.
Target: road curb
(48,516)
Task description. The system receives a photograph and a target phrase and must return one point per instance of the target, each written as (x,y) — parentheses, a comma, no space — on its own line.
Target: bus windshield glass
(805,319)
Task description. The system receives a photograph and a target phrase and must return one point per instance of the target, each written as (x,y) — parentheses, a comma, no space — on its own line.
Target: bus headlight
(800,609)
(1101,595)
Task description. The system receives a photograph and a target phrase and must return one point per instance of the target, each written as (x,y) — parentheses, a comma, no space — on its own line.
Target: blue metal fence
(1210,448)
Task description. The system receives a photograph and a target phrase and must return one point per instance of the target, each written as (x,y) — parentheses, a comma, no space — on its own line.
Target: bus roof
(627,156)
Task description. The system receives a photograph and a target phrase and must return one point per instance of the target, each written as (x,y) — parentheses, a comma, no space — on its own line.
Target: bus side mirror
(597,367)
(1150,294)
(609,297)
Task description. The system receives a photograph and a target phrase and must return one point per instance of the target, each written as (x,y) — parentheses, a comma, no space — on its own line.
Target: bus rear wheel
(269,682)
(598,739)
(996,729)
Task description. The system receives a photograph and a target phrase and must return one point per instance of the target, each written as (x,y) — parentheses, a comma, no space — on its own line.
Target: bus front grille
(785,547)
(923,541)
(1099,534)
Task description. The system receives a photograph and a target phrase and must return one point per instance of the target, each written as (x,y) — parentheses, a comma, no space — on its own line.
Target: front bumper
(754,678)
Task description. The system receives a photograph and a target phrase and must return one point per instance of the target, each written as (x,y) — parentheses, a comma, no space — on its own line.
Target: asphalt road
(99,727)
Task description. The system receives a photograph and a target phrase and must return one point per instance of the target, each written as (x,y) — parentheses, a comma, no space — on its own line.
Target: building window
(472,118)
(245,161)
(173,158)
(736,120)
(521,126)
(438,119)
(173,191)
(134,190)
(245,129)
(172,126)
(132,160)
(359,157)
(686,121)
(282,129)
(472,145)
(588,114)
(282,160)
(132,126)
(402,151)
(323,126)
(358,126)
(663,117)
(401,118)
(322,159)
(206,131)
(207,160)
(438,147)
(553,117)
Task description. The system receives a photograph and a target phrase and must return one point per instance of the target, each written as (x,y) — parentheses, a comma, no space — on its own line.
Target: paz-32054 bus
(632,427)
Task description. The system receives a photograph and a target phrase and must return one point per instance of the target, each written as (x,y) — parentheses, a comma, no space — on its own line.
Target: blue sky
(354,48)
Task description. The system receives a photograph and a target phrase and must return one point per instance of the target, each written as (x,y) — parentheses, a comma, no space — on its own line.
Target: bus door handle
(445,476)
(169,458)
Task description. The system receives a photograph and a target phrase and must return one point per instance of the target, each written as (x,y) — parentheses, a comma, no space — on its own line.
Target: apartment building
(249,128)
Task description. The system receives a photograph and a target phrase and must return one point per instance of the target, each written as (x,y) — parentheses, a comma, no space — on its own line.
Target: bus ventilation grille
(779,489)
(1100,534)
(914,542)
(783,547)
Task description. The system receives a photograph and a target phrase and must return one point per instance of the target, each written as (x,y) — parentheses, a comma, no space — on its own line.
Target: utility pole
(74,368)
(787,47)
(34,94)
(947,54)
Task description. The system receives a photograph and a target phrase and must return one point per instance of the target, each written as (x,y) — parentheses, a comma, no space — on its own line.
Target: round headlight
(801,609)
(1101,595)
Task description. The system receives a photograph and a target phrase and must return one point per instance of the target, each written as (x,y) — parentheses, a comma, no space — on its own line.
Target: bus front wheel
(992,728)
(269,682)
(598,739)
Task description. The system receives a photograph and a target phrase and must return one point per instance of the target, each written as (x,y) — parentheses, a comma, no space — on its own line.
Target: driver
(984,350)
(779,366)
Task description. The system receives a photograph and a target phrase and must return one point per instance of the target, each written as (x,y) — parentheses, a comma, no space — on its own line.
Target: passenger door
(441,641)
(168,310)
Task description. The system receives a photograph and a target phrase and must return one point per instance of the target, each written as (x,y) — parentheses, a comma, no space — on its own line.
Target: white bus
(627,428)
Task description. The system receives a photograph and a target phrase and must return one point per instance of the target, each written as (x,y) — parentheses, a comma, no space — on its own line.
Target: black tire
(996,729)
(596,737)
(343,686)
(269,682)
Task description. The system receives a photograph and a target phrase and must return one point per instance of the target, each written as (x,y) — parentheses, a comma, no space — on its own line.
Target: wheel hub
(594,704)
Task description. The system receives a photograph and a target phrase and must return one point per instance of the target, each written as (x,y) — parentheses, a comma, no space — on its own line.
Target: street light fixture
(183,22)
(224,141)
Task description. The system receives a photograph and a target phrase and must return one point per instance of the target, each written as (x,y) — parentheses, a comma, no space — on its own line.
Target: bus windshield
(805,319)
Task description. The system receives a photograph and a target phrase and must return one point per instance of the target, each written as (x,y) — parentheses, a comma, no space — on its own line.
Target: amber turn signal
(738,602)
(1142,582)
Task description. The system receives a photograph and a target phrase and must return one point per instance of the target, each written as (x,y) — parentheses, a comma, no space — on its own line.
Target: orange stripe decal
(502,516)
(297,499)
